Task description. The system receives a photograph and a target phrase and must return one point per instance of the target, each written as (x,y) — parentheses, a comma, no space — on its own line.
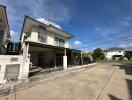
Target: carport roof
(37,44)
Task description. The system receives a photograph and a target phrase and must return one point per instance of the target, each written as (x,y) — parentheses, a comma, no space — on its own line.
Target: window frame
(60,41)
(42,37)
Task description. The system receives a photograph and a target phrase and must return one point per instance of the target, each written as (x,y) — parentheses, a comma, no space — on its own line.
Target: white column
(26,63)
(55,61)
(65,60)
(25,51)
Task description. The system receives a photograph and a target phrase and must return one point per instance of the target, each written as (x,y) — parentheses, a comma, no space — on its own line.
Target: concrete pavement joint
(98,96)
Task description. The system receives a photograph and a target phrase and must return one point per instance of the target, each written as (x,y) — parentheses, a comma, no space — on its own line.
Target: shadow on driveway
(113,97)
(128,71)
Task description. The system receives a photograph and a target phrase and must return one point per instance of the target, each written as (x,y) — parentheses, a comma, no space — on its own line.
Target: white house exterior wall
(50,37)
(111,53)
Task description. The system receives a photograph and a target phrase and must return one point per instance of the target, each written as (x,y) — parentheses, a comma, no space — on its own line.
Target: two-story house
(47,46)
(109,53)
(4,29)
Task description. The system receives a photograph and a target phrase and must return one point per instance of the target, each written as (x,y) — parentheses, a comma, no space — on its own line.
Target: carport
(50,58)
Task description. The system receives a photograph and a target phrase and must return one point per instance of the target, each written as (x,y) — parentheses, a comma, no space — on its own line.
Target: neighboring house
(4,29)
(11,66)
(47,46)
(109,53)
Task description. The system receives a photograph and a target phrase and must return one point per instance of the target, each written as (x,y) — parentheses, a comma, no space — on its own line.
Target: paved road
(102,82)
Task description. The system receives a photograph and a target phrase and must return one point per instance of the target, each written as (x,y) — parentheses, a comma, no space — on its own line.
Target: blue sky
(95,23)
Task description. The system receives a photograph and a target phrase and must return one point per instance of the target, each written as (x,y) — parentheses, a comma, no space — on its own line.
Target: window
(56,41)
(1,36)
(59,42)
(42,37)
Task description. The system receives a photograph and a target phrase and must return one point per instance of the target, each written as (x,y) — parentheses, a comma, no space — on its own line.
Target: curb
(82,66)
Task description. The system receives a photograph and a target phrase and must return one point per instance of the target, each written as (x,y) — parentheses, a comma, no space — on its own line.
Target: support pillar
(26,62)
(25,51)
(55,59)
(65,60)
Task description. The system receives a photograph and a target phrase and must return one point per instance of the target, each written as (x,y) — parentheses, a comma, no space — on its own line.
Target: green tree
(128,54)
(113,57)
(98,54)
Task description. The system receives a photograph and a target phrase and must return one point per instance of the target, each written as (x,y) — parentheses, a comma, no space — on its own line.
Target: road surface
(104,81)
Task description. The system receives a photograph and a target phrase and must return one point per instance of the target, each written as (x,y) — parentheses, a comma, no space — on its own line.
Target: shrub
(121,58)
(113,57)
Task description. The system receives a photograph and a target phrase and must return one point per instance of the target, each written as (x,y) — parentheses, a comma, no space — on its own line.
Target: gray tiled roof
(115,49)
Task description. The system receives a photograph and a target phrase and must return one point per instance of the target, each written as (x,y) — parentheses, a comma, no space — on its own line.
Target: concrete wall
(112,53)
(6,60)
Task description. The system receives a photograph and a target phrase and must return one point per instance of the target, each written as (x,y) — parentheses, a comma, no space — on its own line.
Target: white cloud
(97,29)
(122,45)
(37,9)
(13,33)
(126,45)
(104,31)
(42,8)
(125,22)
(77,42)
(43,20)
(128,18)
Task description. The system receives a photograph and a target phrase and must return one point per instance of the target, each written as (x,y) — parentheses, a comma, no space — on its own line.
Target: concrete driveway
(102,82)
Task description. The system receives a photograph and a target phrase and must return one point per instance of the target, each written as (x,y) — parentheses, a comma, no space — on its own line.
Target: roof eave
(70,35)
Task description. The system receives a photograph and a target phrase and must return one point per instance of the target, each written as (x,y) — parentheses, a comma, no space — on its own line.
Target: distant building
(109,53)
